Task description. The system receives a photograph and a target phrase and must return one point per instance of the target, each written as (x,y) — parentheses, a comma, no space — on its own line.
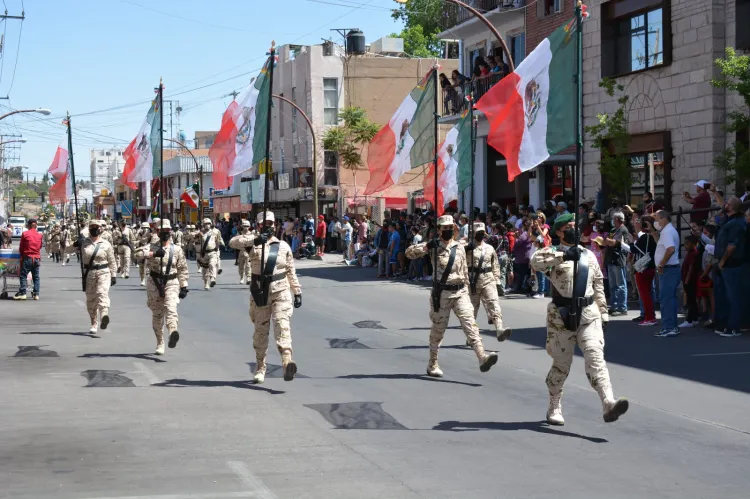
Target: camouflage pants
(163,309)
(487,294)
(561,345)
(142,270)
(123,259)
(461,306)
(280,310)
(502,260)
(54,248)
(243,265)
(97,293)
(209,272)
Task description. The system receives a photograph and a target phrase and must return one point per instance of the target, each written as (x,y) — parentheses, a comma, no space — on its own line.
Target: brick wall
(538,28)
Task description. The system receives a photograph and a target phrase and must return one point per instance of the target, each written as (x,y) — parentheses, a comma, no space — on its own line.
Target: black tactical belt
(212,250)
(584,301)
(275,277)
(480,271)
(451,287)
(98,267)
(157,275)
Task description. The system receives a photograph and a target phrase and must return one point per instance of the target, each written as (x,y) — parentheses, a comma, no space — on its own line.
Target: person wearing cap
(346,231)
(124,239)
(564,332)
(242,258)
(208,246)
(187,241)
(168,276)
(615,257)
(449,292)
(484,280)
(106,232)
(271,296)
(30,249)
(320,235)
(701,201)
(178,236)
(143,240)
(55,238)
(155,225)
(99,273)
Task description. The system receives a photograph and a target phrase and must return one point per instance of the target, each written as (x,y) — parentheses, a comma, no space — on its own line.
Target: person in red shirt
(320,234)
(691,270)
(701,201)
(31,259)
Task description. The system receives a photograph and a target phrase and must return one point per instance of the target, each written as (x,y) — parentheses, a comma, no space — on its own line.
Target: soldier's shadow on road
(186,383)
(142,356)
(418,377)
(69,333)
(536,426)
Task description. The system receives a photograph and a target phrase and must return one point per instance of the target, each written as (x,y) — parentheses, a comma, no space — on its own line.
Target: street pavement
(101,417)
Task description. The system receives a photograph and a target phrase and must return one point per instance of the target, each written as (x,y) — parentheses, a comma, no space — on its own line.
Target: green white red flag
(142,157)
(190,196)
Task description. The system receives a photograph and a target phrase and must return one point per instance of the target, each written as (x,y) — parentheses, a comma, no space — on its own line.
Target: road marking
(208,495)
(80,303)
(147,373)
(251,481)
(719,354)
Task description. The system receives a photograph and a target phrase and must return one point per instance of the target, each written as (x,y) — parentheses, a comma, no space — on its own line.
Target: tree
(611,138)
(735,76)
(421,20)
(349,139)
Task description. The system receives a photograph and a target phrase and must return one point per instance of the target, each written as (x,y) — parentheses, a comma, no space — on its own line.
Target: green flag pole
(579,146)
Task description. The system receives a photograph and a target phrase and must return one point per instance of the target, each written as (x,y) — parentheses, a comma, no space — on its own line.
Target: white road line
(147,373)
(719,354)
(208,495)
(80,303)
(251,481)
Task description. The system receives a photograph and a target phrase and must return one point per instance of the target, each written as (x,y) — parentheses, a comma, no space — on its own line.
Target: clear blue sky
(87,55)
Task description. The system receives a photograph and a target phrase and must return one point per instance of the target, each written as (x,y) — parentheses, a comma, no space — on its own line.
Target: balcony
(454,101)
(453,15)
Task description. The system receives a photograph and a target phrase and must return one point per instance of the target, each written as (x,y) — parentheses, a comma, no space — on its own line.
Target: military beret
(562,220)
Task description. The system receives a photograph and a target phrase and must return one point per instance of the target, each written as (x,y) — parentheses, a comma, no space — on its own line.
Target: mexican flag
(190,196)
(241,141)
(59,166)
(527,121)
(142,158)
(407,141)
(62,190)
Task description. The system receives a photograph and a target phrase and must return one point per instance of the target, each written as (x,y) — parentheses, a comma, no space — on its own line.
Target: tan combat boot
(288,365)
(159,343)
(260,370)
(433,369)
(486,360)
(613,409)
(554,413)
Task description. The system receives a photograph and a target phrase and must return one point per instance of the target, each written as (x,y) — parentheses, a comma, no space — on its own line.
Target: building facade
(105,166)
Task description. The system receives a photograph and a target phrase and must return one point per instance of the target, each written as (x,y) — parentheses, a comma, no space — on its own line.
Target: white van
(18,225)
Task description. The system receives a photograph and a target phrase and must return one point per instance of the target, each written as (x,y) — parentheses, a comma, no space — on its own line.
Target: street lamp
(484,20)
(22,141)
(41,110)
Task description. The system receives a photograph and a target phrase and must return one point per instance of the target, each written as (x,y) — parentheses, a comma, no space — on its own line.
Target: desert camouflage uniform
(280,304)
(124,252)
(177,238)
(55,238)
(107,235)
(46,239)
(589,337)
(144,239)
(100,273)
(456,300)
(164,309)
(243,258)
(217,234)
(486,285)
(209,261)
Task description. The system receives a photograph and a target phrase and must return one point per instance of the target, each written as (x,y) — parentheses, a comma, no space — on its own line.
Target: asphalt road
(101,417)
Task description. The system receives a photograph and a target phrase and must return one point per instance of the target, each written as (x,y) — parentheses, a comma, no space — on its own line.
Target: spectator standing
(705,282)
(320,235)
(31,259)
(728,278)
(394,240)
(618,247)
(522,253)
(416,265)
(701,201)
(668,269)
(381,243)
(346,235)
(645,247)
(691,269)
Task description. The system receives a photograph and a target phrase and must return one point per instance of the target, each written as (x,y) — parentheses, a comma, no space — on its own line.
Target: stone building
(663,53)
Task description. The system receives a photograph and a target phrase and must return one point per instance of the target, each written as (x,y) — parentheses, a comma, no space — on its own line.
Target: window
(635,40)
(517,47)
(330,101)
(294,110)
(641,178)
(330,168)
(742,13)
(548,7)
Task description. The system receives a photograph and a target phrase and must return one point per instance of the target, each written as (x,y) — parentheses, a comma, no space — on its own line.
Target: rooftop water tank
(355,42)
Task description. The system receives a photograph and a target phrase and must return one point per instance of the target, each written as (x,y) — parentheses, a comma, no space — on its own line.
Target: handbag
(643,262)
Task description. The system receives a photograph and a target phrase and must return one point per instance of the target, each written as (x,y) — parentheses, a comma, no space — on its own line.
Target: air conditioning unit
(387,46)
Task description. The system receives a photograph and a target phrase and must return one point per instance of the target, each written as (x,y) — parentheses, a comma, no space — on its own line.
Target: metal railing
(454,98)
(453,15)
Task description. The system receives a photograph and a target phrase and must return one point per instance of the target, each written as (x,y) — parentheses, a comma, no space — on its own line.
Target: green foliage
(421,25)
(735,77)
(611,138)
(350,138)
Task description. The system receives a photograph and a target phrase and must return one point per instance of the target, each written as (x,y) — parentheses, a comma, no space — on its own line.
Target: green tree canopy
(421,20)
(348,140)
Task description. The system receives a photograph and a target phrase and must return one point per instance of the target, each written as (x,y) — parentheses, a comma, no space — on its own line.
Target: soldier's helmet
(98,223)
(144,225)
(445,220)
(206,221)
(246,223)
(479,227)
(268,217)
(165,225)
(155,221)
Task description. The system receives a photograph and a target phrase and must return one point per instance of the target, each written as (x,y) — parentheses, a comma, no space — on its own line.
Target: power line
(18,50)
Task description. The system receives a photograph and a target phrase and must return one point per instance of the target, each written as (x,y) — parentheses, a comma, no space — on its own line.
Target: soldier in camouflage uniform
(557,265)
(167,284)
(55,238)
(143,240)
(124,240)
(484,286)
(100,268)
(278,296)
(208,244)
(453,295)
(177,237)
(243,256)
(107,234)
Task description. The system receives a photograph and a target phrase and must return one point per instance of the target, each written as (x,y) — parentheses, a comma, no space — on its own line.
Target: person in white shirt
(668,268)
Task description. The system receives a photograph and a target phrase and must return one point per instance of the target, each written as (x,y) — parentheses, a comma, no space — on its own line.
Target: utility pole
(4,17)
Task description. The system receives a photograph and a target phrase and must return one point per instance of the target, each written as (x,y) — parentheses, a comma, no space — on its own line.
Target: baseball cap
(701,184)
